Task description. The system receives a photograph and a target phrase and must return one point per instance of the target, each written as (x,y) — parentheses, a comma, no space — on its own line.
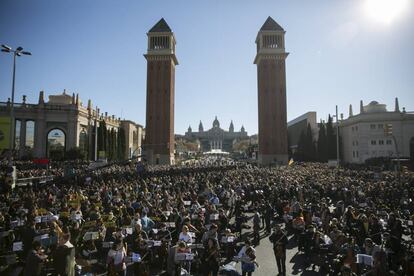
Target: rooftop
(271,25)
(161,27)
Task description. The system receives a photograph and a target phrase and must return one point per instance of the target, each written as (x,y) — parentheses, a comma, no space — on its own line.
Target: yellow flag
(291,161)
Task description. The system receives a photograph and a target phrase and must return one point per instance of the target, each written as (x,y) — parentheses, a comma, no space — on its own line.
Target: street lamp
(18,52)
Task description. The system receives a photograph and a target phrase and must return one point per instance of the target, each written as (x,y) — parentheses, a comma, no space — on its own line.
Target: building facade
(216,138)
(161,62)
(63,123)
(271,78)
(364,135)
(299,125)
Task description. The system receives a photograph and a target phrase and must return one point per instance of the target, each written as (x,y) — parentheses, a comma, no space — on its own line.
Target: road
(295,262)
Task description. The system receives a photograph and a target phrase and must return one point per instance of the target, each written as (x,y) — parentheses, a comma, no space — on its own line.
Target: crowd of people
(202,218)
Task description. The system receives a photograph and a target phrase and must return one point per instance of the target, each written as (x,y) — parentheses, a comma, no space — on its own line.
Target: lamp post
(18,52)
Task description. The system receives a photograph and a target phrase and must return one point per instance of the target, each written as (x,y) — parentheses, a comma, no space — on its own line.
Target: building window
(56,144)
(30,128)
(389,142)
(356,143)
(373,142)
(356,128)
(372,126)
(357,155)
(374,153)
(353,154)
(381,142)
(380,126)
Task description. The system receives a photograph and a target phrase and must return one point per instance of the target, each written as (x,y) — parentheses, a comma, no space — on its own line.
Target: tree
(102,136)
(300,152)
(310,151)
(121,144)
(306,146)
(75,154)
(330,139)
(322,144)
(114,144)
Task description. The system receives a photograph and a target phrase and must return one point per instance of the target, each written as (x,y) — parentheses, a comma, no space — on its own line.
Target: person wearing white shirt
(247,256)
(185,235)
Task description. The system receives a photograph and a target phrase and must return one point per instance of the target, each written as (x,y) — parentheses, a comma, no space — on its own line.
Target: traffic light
(388,130)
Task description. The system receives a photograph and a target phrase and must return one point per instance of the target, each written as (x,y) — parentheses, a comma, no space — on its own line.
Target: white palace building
(364,137)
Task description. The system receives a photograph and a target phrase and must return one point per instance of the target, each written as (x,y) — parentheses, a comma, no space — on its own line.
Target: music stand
(185,258)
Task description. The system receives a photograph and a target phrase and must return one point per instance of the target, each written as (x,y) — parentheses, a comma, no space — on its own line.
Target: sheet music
(17,246)
(136,258)
(364,259)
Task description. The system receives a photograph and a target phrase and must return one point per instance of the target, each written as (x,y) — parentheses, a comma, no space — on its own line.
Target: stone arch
(56,140)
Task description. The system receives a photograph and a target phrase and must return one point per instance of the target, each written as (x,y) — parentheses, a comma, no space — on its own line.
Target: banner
(4,133)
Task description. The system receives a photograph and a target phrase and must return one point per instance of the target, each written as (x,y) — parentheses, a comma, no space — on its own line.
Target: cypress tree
(109,144)
(330,139)
(322,144)
(310,151)
(102,136)
(121,144)
(300,152)
(114,144)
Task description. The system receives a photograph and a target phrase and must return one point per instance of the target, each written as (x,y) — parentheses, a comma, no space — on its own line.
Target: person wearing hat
(279,241)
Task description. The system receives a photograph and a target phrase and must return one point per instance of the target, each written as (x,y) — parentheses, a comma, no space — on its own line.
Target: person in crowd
(210,234)
(370,248)
(211,258)
(185,235)
(146,222)
(338,203)
(116,259)
(279,240)
(139,246)
(256,228)
(35,260)
(247,256)
(64,256)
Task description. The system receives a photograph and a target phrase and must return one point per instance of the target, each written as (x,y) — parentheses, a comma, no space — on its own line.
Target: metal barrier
(21,182)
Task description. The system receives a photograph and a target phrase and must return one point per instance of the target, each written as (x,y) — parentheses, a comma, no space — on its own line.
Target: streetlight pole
(337,138)
(18,52)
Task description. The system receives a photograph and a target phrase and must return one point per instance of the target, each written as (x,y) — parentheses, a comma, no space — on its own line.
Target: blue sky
(338,55)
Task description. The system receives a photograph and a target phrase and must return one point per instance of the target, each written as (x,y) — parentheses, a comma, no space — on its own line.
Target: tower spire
(231,128)
(159,125)
(361,107)
(200,127)
(350,111)
(273,137)
(397,106)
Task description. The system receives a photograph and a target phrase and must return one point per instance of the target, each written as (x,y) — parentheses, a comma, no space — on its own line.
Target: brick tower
(271,79)
(161,61)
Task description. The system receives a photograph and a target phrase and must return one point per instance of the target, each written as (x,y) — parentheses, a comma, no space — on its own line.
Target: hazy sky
(340,52)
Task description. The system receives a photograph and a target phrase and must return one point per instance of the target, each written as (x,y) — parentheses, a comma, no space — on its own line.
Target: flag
(291,161)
